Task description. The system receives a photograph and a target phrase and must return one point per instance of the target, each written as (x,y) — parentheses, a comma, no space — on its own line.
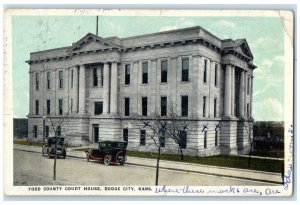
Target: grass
(24,142)
(273,154)
(36,144)
(82,149)
(220,160)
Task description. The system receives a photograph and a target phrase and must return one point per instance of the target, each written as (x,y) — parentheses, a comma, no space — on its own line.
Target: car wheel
(120,158)
(107,159)
(64,156)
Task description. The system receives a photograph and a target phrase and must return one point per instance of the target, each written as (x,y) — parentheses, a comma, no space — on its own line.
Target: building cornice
(73,51)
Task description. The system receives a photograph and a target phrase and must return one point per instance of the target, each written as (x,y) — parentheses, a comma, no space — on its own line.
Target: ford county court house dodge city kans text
(106,82)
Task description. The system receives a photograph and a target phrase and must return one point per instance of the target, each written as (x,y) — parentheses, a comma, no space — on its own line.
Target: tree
(158,129)
(177,130)
(56,124)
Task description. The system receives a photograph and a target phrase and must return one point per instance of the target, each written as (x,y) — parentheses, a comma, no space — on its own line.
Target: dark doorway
(96,133)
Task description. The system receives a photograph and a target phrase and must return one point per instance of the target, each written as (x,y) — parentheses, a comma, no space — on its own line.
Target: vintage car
(108,152)
(49,147)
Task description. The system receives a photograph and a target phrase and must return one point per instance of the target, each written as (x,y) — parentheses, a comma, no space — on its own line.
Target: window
(164,71)
(37,81)
(216,138)
(185,69)
(61,79)
(72,77)
(205,139)
(125,134)
(37,107)
(215,107)
(48,107)
(58,131)
(183,139)
(60,106)
(127,108)
(205,72)
(35,130)
(145,72)
(101,76)
(98,108)
(204,106)
(144,106)
(248,86)
(143,138)
(71,110)
(184,105)
(216,74)
(127,74)
(48,80)
(162,139)
(46,132)
(248,110)
(163,106)
(95,77)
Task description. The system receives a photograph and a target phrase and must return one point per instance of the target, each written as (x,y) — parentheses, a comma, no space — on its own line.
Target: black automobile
(49,147)
(108,152)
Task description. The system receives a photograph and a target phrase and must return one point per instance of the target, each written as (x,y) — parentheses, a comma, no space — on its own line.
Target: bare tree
(56,124)
(177,129)
(251,140)
(159,129)
(153,130)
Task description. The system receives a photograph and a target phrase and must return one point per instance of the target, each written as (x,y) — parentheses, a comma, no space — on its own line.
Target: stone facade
(98,85)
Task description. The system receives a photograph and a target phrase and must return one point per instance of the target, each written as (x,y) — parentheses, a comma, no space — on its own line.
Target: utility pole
(97,26)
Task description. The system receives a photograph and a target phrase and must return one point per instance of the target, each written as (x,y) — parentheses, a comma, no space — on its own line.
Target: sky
(265,36)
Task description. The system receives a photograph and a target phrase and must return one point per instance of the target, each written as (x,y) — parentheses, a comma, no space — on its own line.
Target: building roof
(93,43)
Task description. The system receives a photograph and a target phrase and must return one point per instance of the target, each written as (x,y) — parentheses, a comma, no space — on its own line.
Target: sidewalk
(182,166)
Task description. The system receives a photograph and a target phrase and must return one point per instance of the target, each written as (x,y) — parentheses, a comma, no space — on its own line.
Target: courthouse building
(99,86)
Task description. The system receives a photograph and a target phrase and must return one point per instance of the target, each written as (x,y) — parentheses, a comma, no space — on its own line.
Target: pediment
(243,48)
(91,42)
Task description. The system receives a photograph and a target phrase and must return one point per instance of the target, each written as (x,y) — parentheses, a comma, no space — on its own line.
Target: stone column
(232,91)
(242,94)
(114,89)
(81,99)
(227,91)
(106,88)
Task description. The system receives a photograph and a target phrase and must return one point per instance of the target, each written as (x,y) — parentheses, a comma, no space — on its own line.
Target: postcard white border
(287,17)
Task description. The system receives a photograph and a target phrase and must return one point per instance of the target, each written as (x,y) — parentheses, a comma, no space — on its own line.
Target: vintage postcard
(148,102)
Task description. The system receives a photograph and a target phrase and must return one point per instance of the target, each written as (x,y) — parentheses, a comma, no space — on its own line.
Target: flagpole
(97,26)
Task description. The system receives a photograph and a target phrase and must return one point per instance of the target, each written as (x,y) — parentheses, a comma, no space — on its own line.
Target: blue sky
(264,36)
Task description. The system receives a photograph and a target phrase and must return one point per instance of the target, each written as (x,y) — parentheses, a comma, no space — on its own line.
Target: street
(32,169)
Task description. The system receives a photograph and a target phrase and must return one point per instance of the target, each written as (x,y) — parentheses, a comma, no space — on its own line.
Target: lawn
(220,160)
(25,142)
(274,154)
(36,144)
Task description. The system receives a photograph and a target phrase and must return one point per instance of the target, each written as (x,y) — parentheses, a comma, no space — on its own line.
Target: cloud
(168,28)
(226,24)
(263,42)
(180,23)
(185,22)
(273,109)
(267,63)
(279,58)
